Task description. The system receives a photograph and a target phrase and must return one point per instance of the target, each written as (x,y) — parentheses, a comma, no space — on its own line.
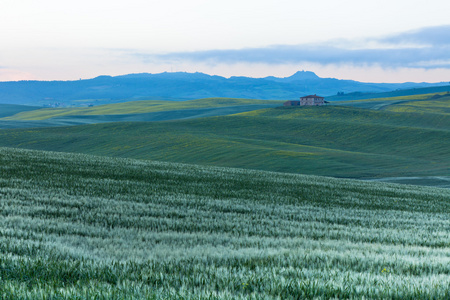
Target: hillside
(7,110)
(136,108)
(77,226)
(437,104)
(332,141)
(395,93)
(421,103)
(159,110)
(184,86)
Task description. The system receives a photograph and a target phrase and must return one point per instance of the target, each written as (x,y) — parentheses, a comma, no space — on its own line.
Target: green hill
(137,107)
(391,94)
(436,104)
(331,141)
(429,103)
(7,110)
(76,226)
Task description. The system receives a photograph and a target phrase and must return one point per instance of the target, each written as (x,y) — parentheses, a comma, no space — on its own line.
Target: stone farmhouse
(311,100)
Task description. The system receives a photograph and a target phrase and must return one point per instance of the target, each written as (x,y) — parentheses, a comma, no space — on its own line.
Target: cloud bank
(427,48)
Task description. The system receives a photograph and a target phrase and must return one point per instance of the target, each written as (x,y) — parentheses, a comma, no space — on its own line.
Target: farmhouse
(313,100)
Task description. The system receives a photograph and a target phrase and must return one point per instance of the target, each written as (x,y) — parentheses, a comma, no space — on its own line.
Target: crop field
(421,103)
(180,114)
(135,107)
(434,106)
(330,141)
(12,109)
(393,94)
(85,227)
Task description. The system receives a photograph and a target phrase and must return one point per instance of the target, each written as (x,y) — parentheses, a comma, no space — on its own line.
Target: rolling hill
(332,141)
(100,224)
(76,226)
(425,103)
(395,93)
(142,107)
(7,110)
(134,111)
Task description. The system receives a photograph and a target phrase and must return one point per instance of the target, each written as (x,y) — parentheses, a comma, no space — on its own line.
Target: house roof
(312,96)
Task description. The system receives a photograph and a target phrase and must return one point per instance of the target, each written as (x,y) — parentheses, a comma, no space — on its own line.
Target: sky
(371,41)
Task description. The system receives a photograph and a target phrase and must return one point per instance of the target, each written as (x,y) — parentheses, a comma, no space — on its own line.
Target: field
(102,225)
(332,141)
(437,105)
(392,94)
(86,227)
(134,111)
(7,110)
(432,103)
(137,107)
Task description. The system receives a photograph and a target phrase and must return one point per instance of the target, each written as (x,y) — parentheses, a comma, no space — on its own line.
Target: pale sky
(378,41)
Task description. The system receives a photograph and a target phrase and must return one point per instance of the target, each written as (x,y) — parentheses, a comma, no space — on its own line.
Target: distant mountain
(299,76)
(184,86)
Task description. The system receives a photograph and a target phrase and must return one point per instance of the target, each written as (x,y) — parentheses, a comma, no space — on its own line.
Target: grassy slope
(136,107)
(428,100)
(141,117)
(398,93)
(85,227)
(7,110)
(434,106)
(332,141)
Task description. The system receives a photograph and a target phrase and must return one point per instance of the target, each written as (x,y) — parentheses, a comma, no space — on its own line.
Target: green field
(434,105)
(7,110)
(136,111)
(331,141)
(425,103)
(101,225)
(136,107)
(76,226)
(392,94)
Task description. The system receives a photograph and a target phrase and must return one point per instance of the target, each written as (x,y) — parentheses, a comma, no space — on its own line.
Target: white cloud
(431,49)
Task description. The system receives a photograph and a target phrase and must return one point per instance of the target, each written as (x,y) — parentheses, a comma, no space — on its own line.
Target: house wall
(311,101)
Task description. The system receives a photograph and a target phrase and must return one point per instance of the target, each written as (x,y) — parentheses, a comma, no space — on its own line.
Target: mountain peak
(303,75)
(298,76)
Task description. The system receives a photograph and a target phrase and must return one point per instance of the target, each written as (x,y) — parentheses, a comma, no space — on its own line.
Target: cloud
(429,36)
(427,48)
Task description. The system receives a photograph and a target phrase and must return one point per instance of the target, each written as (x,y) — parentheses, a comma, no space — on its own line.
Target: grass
(331,141)
(438,106)
(427,103)
(402,98)
(86,227)
(7,110)
(141,117)
(136,107)
(392,94)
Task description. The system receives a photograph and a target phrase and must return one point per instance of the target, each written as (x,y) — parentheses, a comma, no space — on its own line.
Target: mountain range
(181,86)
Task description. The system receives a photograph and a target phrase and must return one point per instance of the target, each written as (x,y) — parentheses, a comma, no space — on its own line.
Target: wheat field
(76,226)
